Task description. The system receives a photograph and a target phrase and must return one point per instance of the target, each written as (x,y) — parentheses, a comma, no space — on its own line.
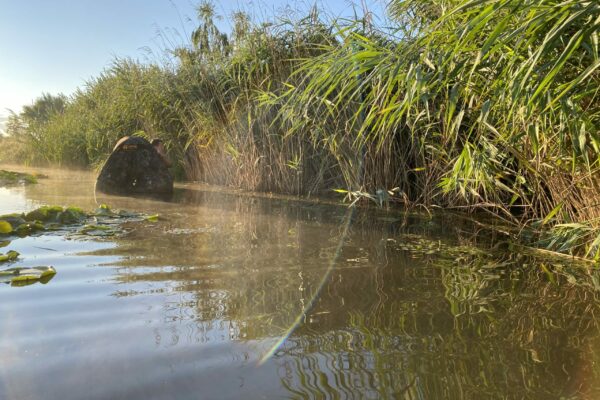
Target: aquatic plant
(12,178)
(43,218)
(473,105)
(473,109)
(19,276)
(11,255)
(69,221)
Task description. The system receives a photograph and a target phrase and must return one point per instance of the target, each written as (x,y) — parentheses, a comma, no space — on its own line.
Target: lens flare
(310,304)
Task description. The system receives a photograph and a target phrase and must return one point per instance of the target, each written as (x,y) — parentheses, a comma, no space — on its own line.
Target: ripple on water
(185,308)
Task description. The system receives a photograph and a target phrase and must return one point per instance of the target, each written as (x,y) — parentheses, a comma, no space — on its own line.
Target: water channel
(233,295)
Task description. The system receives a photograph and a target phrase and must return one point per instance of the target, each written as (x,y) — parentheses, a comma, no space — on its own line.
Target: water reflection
(414,308)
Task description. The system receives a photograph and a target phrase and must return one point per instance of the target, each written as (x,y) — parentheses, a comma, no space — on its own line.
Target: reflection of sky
(13,200)
(74,337)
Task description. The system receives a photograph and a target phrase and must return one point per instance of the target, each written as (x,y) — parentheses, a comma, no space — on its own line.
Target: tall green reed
(471,104)
(479,104)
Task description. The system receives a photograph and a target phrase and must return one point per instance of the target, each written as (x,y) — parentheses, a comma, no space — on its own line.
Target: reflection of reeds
(411,310)
(515,348)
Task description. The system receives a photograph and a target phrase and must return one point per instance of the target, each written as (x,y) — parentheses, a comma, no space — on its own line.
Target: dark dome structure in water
(135,167)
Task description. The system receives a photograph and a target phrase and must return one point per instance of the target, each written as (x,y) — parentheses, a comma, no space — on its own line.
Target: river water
(231,295)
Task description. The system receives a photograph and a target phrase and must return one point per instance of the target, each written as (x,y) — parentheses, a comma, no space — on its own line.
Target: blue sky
(54,46)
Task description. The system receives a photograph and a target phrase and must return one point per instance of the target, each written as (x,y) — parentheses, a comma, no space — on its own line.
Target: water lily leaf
(104,210)
(41,214)
(152,218)
(30,227)
(5,227)
(10,256)
(13,219)
(71,215)
(21,276)
(127,214)
(97,230)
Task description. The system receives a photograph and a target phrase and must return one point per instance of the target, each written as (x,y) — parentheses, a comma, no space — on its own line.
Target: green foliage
(98,230)
(11,255)
(494,102)
(103,222)
(11,178)
(28,130)
(71,221)
(5,227)
(472,104)
(20,276)
(152,218)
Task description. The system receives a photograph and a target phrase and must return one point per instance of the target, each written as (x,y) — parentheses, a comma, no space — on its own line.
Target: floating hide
(134,167)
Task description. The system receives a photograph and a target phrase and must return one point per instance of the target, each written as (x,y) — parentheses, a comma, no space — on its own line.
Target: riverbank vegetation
(474,105)
(14,178)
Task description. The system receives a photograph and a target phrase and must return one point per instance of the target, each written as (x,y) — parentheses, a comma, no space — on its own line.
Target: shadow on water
(414,308)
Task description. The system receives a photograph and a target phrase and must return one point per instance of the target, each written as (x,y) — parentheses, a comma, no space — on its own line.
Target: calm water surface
(235,296)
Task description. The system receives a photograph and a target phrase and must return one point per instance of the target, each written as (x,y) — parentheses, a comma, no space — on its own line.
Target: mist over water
(3,120)
(412,307)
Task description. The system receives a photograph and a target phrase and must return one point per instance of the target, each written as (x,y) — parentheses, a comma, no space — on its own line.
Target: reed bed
(485,105)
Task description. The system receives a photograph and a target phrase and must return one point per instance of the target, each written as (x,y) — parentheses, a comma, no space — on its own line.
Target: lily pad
(152,218)
(10,256)
(22,276)
(73,222)
(28,228)
(5,227)
(44,213)
(127,214)
(98,230)
(72,215)
(13,219)
(104,210)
